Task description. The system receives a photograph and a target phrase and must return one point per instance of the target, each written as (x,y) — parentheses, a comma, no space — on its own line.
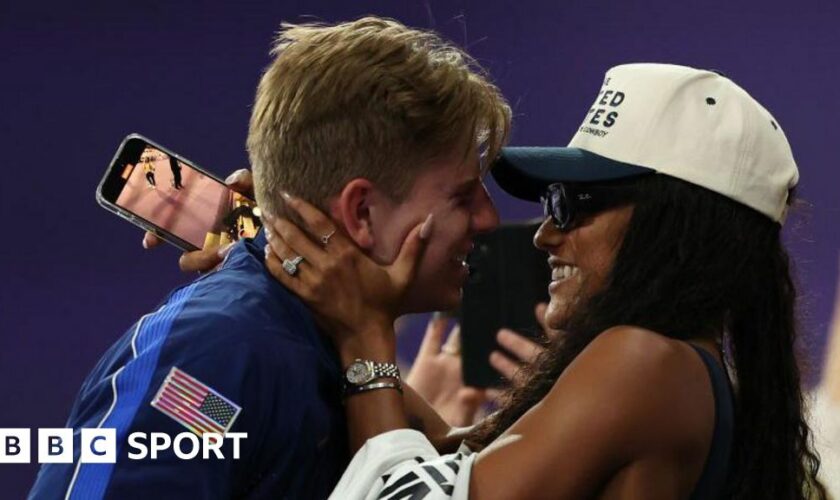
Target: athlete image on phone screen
(175,199)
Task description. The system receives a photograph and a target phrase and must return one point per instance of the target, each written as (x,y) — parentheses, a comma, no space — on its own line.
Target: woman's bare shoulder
(657,388)
(620,402)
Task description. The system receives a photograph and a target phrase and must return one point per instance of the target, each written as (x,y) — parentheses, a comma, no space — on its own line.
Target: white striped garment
(403,464)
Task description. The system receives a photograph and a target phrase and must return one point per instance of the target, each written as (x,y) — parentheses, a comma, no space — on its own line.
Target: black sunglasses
(565,202)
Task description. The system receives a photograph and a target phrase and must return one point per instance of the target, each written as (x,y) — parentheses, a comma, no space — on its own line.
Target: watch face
(359,373)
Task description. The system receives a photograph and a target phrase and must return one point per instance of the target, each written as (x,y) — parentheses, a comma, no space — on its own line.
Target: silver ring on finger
(291,265)
(326,238)
(451,350)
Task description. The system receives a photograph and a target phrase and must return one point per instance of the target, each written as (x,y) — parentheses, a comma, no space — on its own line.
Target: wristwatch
(362,371)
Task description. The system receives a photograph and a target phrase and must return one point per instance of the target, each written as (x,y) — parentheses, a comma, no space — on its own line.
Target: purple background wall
(77,77)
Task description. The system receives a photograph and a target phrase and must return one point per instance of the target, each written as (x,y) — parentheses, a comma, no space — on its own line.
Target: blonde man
(380,125)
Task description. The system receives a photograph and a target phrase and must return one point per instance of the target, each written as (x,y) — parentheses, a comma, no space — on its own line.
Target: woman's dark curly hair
(694,263)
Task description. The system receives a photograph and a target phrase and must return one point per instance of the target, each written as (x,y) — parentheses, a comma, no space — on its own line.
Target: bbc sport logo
(100,445)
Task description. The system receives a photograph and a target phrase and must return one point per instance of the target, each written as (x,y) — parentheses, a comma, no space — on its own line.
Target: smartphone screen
(169,195)
(508,278)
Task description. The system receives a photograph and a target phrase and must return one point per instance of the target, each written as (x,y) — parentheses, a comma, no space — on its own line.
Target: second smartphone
(509,276)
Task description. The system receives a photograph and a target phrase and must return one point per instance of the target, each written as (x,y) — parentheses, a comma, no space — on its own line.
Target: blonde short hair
(370,98)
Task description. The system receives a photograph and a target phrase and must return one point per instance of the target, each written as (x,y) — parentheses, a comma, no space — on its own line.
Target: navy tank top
(713,479)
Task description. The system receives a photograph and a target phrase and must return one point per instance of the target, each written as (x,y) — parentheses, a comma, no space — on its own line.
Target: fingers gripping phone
(183,204)
(508,278)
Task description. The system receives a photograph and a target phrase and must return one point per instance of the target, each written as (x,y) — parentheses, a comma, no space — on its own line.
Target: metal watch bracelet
(372,386)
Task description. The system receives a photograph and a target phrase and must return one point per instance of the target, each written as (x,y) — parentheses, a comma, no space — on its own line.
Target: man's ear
(354,208)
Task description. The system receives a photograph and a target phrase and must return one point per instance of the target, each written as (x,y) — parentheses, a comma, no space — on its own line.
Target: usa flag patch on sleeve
(194,405)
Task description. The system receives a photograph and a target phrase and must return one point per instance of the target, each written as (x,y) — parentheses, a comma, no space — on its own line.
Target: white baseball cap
(695,125)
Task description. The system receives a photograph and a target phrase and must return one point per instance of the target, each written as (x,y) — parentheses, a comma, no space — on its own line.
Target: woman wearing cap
(662,229)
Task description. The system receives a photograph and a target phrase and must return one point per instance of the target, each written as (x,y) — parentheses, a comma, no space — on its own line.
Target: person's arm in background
(436,374)
(825,415)
(830,383)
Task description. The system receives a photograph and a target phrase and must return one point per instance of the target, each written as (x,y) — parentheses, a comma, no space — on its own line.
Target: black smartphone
(508,278)
(183,204)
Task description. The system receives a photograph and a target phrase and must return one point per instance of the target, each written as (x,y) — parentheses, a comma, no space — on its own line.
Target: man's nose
(485,215)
